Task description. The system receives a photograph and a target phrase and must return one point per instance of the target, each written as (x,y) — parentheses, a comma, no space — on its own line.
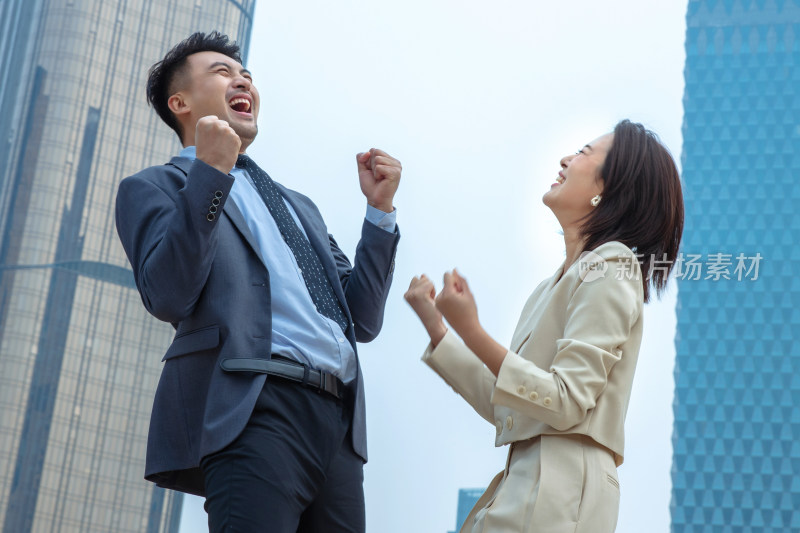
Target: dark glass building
(79,356)
(736,462)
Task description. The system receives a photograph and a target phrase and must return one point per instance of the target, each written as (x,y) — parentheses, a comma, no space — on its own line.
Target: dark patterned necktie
(317,283)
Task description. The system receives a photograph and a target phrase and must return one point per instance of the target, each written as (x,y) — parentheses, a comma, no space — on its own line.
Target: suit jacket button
(509,422)
(210,217)
(218,194)
(521,390)
(499,426)
(533,395)
(547,401)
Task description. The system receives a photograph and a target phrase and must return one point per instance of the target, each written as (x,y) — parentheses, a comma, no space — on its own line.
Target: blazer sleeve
(464,372)
(600,315)
(366,284)
(169,236)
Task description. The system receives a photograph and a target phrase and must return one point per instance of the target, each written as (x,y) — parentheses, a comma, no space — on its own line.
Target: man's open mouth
(242,105)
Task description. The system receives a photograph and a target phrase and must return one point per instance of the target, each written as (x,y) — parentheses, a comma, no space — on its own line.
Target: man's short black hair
(162,74)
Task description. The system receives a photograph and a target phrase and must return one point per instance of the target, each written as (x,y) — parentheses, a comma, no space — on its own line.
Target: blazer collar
(183,163)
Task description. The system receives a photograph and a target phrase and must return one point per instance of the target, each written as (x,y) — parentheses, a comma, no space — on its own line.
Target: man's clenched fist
(217,144)
(379,174)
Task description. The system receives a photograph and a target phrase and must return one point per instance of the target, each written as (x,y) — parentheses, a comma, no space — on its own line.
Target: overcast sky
(479,100)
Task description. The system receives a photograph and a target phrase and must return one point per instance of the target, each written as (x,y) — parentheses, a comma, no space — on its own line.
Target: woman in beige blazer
(559,394)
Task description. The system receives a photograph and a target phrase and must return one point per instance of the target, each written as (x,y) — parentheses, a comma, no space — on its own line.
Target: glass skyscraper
(467,498)
(79,356)
(736,462)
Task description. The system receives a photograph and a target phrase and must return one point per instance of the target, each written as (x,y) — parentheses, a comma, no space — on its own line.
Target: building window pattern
(467,498)
(79,356)
(736,438)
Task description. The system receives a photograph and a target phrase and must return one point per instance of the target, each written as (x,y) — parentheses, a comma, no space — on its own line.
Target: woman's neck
(574,243)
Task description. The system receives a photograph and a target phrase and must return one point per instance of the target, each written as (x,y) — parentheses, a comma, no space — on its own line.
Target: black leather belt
(291,370)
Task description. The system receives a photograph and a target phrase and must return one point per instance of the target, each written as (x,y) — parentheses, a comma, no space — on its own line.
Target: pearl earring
(596,200)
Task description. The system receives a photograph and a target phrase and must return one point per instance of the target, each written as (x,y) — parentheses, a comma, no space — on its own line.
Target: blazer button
(218,194)
(210,217)
(509,422)
(499,427)
(547,401)
(533,395)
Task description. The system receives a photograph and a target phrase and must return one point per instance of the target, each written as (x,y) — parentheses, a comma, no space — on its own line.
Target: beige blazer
(572,358)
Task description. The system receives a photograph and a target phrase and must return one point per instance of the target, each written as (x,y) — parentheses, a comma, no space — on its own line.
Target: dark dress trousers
(196,266)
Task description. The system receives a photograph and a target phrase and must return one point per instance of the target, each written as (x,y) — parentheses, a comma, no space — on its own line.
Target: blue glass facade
(79,356)
(467,498)
(736,458)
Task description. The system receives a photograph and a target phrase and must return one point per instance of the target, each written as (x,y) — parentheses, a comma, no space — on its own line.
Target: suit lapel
(517,346)
(239,222)
(230,209)
(318,237)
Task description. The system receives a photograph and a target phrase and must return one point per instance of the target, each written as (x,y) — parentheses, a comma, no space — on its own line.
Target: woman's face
(578,182)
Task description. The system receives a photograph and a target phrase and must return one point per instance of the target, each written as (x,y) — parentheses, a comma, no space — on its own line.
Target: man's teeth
(237,101)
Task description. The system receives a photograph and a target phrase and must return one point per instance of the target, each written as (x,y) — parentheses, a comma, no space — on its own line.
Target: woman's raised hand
(420,296)
(456,303)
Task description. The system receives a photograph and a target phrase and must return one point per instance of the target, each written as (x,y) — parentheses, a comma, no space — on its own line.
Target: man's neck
(242,149)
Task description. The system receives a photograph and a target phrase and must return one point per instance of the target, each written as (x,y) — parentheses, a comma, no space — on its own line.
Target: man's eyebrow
(589,146)
(216,64)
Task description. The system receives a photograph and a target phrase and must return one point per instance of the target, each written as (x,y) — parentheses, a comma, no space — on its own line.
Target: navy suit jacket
(196,266)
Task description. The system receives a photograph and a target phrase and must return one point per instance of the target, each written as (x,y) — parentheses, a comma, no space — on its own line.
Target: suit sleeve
(464,372)
(170,237)
(600,315)
(366,284)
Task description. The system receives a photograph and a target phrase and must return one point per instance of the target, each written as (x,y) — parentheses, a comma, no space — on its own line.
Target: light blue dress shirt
(299,331)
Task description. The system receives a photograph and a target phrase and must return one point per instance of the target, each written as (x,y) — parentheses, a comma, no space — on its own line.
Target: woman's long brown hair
(642,203)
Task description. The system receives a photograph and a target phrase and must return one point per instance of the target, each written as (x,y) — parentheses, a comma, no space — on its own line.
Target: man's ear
(178,104)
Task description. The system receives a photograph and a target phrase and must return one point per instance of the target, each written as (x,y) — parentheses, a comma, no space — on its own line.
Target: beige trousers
(551,484)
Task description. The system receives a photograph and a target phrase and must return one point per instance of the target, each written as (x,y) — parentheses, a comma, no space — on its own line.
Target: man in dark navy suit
(260,406)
